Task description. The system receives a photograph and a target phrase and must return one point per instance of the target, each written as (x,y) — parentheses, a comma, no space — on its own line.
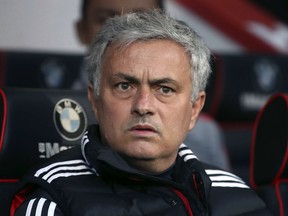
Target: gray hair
(150,25)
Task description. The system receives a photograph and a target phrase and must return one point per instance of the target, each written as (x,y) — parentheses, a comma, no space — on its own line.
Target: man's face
(98,11)
(144,108)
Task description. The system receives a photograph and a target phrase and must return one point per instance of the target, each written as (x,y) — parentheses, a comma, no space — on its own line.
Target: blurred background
(39,25)
(249,39)
(228,26)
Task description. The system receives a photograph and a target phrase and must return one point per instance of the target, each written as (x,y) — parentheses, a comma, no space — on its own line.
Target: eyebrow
(126,77)
(133,79)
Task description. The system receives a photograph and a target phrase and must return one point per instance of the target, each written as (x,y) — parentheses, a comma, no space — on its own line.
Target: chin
(141,156)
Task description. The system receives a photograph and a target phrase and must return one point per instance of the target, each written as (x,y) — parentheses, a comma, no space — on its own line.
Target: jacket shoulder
(58,171)
(69,163)
(230,189)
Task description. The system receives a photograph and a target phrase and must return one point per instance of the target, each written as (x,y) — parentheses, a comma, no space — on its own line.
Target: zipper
(184,200)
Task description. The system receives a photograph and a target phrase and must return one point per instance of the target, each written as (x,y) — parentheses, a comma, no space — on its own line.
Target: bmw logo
(70,119)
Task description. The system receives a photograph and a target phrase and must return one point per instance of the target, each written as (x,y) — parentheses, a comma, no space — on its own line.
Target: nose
(143,102)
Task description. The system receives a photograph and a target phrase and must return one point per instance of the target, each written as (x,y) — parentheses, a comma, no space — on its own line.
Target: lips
(143,128)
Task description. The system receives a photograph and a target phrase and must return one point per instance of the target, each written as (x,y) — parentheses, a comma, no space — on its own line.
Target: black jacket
(94,180)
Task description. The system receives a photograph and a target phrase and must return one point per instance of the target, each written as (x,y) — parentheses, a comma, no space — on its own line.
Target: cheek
(182,113)
(180,118)
(113,112)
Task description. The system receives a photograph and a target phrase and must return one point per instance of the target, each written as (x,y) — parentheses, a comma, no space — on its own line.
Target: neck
(151,165)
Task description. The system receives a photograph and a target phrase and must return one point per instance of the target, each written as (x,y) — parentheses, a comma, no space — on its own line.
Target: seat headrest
(42,69)
(38,123)
(269,152)
(241,85)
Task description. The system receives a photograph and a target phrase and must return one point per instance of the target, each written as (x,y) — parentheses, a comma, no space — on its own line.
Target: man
(93,15)
(206,139)
(147,75)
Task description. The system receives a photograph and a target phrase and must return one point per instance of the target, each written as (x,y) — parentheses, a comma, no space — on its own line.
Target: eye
(124,86)
(166,90)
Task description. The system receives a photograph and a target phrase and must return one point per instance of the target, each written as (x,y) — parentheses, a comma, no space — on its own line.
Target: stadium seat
(240,86)
(34,125)
(269,154)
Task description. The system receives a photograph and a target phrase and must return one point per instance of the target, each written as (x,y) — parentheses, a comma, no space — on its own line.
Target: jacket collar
(99,157)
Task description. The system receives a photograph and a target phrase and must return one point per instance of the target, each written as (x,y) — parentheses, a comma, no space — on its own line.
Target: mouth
(143,129)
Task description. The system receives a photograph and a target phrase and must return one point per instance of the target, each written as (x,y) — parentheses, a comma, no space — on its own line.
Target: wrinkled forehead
(156,54)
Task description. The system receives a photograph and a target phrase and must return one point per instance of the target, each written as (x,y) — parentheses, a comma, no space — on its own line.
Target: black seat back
(34,125)
(269,154)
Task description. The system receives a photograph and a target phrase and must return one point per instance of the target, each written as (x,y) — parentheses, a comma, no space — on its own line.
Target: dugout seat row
(269,154)
(34,125)
(239,87)
(235,93)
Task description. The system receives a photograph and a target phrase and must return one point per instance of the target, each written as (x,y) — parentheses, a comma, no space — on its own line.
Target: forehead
(153,47)
(121,6)
(154,56)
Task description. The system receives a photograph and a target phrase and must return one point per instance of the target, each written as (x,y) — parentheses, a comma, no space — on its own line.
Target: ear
(81,32)
(93,100)
(196,108)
